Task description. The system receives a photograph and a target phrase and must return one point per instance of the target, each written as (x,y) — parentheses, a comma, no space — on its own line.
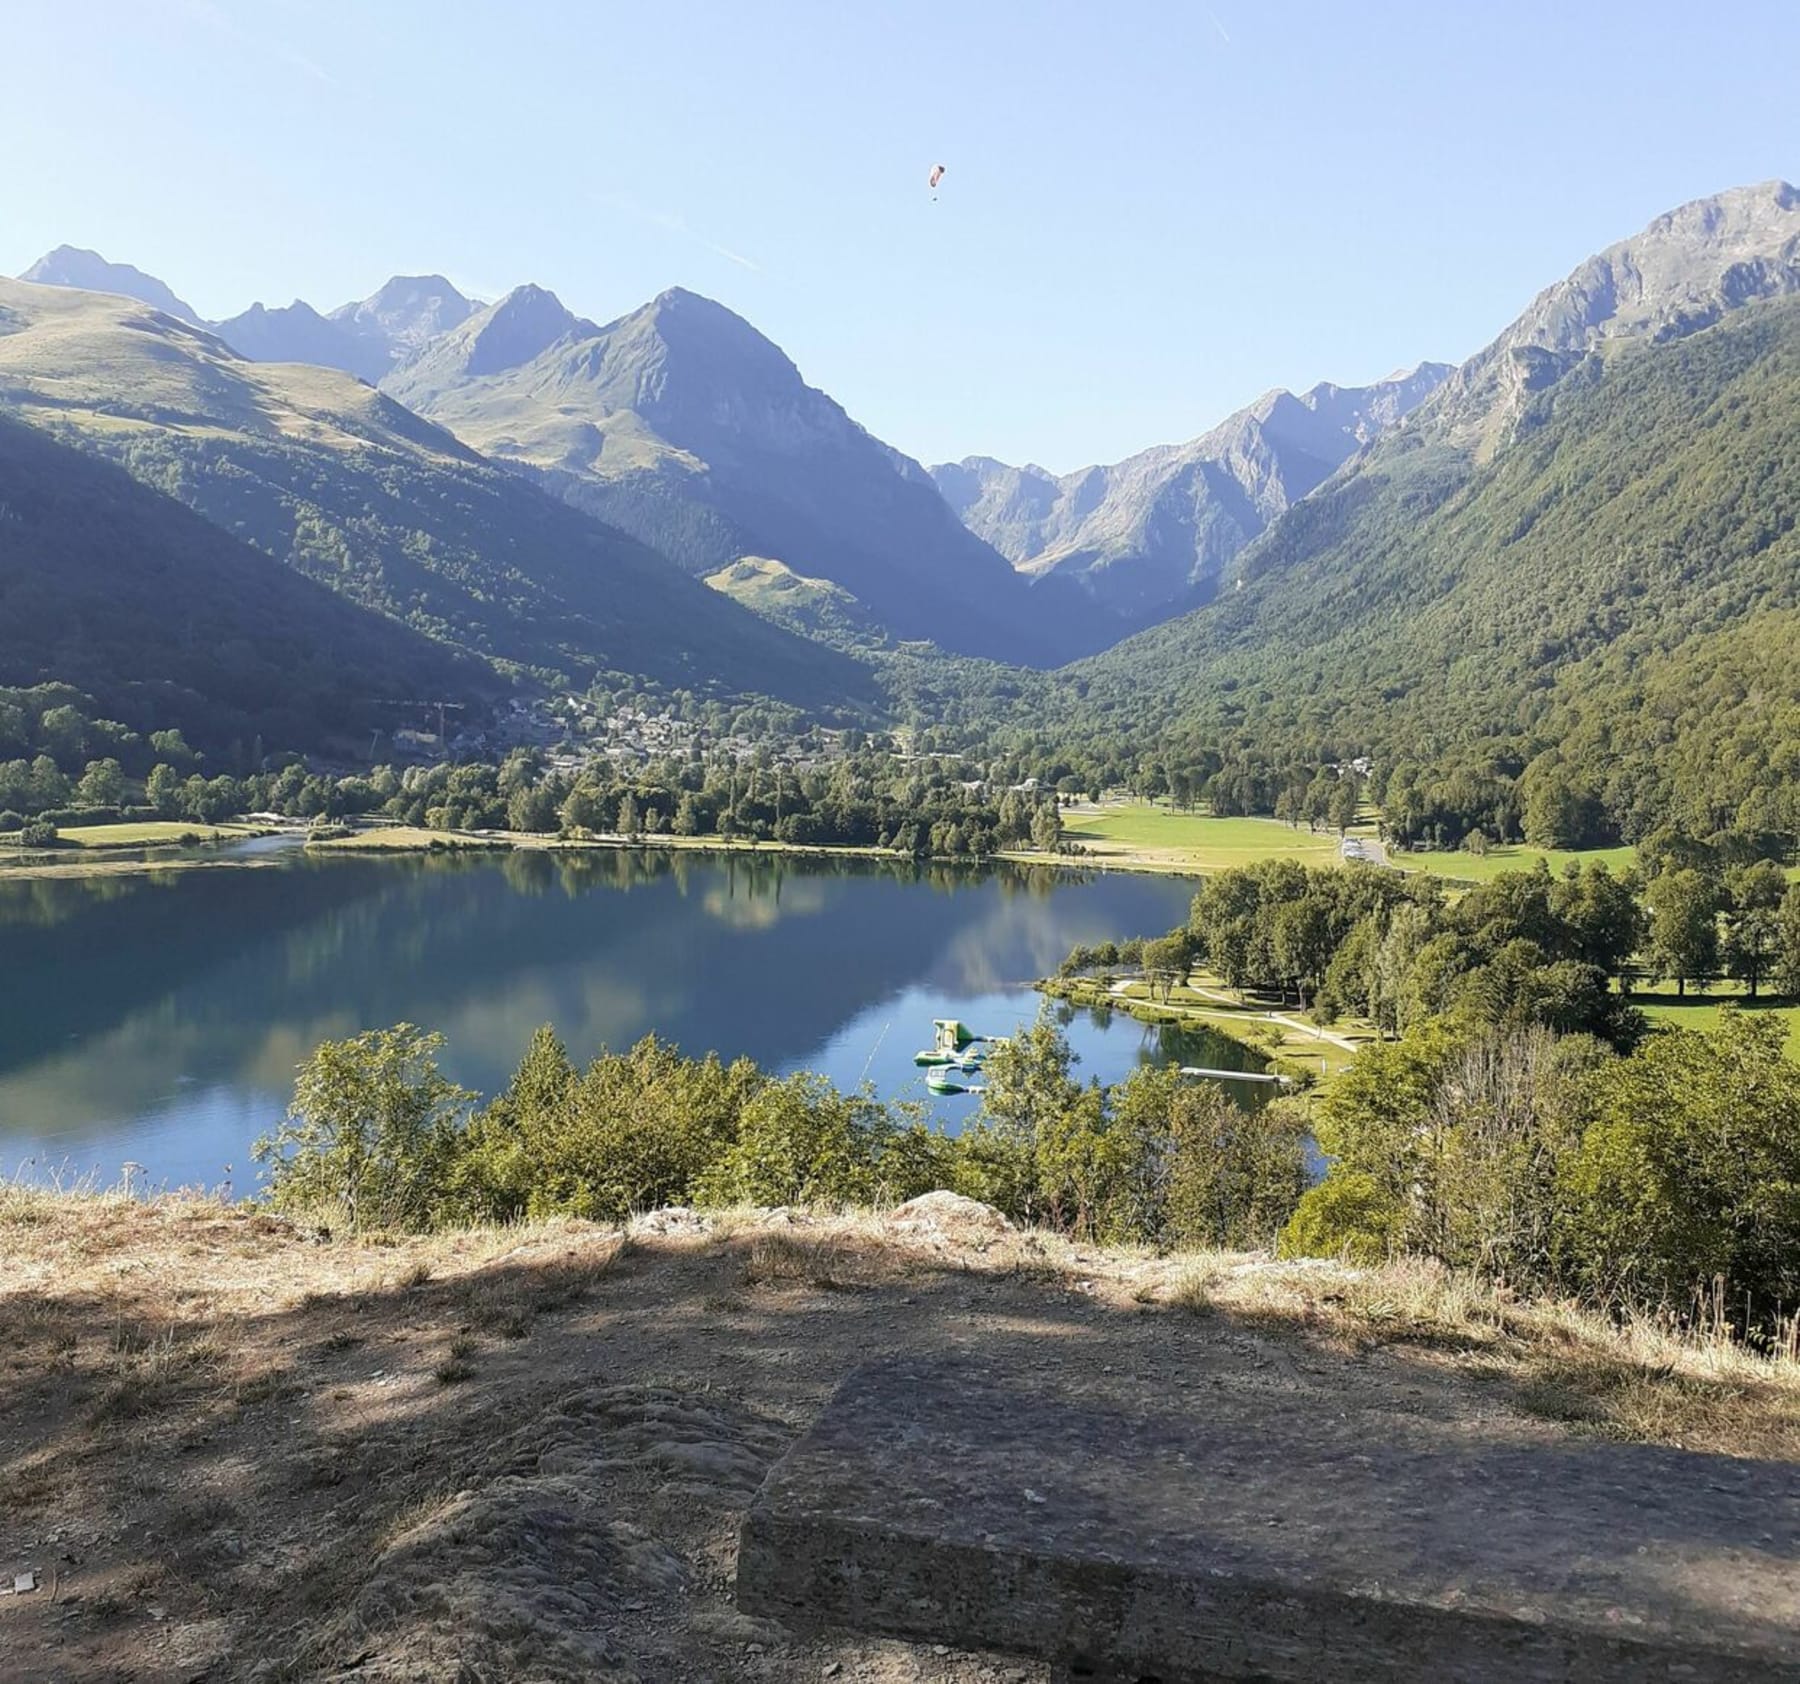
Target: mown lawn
(151,833)
(1483,868)
(404,838)
(1701,1011)
(1159,836)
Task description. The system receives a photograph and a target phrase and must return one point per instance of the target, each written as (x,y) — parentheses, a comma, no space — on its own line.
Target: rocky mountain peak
(1157,530)
(406,313)
(74,266)
(1679,274)
(515,329)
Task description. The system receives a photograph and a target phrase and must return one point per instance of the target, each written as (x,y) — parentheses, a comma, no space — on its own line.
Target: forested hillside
(355,491)
(1611,602)
(169,623)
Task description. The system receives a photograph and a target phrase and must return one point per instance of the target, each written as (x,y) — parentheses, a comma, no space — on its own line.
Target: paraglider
(937,175)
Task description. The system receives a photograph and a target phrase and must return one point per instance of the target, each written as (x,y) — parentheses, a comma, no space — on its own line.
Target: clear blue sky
(1153,212)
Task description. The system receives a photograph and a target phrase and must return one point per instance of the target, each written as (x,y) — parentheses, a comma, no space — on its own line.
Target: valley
(558,890)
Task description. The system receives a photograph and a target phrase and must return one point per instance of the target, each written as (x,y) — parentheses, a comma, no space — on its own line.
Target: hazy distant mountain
(355,491)
(366,339)
(404,316)
(297,333)
(1158,530)
(684,425)
(71,266)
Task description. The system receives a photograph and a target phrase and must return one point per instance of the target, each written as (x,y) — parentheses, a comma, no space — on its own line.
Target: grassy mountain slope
(683,424)
(1622,579)
(355,491)
(815,607)
(166,620)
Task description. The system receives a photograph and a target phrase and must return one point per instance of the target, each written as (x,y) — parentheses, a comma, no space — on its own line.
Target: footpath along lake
(158,1019)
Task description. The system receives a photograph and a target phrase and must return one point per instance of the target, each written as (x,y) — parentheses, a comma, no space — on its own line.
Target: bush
(39,833)
(81,815)
(1194,1168)
(1687,1181)
(11,821)
(801,1141)
(1349,1215)
(372,1134)
(635,1130)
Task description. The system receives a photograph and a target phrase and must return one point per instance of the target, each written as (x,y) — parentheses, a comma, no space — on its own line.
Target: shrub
(372,1133)
(1689,1174)
(801,1141)
(635,1130)
(1349,1215)
(1194,1168)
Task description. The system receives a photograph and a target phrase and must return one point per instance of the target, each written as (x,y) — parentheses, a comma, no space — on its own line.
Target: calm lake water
(159,1019)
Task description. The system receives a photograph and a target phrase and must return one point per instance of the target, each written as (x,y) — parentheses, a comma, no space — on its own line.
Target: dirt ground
(231,1448)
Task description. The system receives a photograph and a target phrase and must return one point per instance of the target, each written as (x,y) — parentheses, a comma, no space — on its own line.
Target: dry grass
(289,1441)
(1638,1379)
(831,1261)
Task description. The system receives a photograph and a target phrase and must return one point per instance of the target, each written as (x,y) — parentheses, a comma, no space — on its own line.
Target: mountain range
(365,338)
(1158,531)
(682,424)
(1586,542)
(352,489)
(553,495)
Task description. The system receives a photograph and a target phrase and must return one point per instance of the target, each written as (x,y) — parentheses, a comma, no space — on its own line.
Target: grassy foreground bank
(233,1443)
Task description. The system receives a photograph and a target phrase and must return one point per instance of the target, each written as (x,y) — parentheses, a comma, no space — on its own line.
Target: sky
(1152,211)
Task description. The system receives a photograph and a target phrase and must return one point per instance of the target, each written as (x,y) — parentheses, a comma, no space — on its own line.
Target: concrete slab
(1255,1538)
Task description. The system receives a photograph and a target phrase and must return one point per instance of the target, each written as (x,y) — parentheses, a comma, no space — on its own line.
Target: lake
(158,1019)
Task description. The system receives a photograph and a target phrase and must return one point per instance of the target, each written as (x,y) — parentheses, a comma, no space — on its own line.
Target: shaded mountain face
(352,489)
(299,334)
(1158,531)
(684,425)
(71,266)
(166,620)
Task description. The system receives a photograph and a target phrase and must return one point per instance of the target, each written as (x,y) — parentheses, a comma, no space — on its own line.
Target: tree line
(1666,1178)
(1527,948)
(378,1137)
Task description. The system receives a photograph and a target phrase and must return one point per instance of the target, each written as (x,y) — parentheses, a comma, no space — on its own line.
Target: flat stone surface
(1257,1538)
